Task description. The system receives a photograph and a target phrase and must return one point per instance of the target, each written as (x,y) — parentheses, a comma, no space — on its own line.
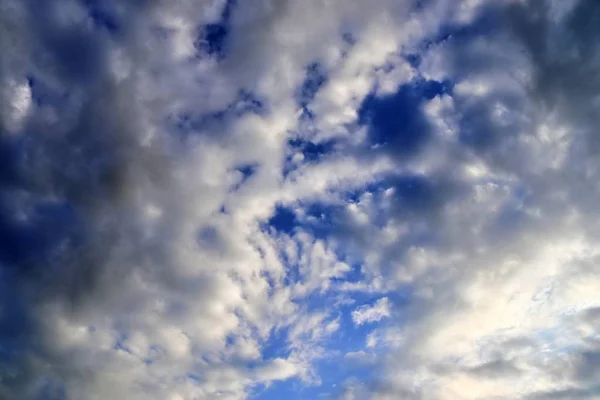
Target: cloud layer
(209,199)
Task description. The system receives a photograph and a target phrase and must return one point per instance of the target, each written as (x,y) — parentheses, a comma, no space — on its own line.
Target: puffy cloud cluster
(206,199)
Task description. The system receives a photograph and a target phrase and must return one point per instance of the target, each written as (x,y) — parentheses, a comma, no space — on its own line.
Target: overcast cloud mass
(299,199)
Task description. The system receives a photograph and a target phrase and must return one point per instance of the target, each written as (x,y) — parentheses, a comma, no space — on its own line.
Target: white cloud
(277,369)
(375,313)
(17,108)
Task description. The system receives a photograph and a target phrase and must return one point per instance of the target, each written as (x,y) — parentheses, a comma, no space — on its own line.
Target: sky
(285,199)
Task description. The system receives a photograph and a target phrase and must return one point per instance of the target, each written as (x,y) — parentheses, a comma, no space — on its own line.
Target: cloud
(376,312)
(201,198)
(502,276)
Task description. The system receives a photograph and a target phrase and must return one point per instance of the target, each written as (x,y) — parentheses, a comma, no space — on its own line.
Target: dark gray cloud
(70,232)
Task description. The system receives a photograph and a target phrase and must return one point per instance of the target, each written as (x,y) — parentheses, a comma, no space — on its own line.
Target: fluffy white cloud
(376,312)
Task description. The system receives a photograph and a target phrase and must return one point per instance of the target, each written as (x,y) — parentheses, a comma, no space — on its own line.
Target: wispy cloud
(375,313)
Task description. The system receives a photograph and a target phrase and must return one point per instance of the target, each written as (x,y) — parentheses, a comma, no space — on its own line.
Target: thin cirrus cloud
(210,199)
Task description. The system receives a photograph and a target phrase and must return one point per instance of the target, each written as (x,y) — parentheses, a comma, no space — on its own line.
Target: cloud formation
(214,199)
(365,314)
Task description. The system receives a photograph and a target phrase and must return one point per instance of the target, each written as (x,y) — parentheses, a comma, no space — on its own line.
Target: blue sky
(328,199)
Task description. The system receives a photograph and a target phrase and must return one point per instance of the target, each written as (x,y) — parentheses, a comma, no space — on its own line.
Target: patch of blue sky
(300,141)
(414,59)
(375,187)
(314,218)
(248,102)
(292,274)
(247,171)
(316,77)
(416,193)
(335,366)
(103,14)
(376,190)
(47,225)
(354,275)
(311,151)
(283,220)
(340,304)
(396,122)
(188,123)
(213,37)
(331,371)
(277,344)
(319,219)
(352,337)
(278,347)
